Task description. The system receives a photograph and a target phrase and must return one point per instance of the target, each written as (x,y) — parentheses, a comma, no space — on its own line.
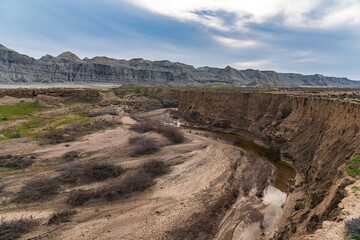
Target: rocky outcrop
(67,67)
(317,135)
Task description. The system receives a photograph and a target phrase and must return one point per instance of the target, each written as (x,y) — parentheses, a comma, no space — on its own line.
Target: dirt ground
(204,180)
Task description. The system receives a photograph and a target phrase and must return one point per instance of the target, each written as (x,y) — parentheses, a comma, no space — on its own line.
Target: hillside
(67,67)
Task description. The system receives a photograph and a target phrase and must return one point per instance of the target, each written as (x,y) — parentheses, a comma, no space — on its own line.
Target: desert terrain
(167,163)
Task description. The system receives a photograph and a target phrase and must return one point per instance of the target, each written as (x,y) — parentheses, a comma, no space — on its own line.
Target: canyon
(316,135)
(253,164)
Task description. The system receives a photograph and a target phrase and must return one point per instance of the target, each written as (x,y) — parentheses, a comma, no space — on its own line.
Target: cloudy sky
(303,36)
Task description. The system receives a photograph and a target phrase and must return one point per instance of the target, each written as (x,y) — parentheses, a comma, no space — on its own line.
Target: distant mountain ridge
(67,67)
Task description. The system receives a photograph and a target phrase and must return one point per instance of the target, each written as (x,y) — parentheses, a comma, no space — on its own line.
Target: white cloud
(236,43)
(253,64)
(294,13)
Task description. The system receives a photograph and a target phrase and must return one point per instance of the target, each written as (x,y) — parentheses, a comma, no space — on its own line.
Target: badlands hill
(67,67)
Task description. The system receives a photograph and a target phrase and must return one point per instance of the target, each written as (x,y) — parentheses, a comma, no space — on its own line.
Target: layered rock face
(317,135)
(67,67)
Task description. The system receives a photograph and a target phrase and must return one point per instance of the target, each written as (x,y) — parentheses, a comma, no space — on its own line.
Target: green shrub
(353,228)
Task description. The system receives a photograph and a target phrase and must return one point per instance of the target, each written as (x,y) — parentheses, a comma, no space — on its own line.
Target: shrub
(353,228)
(101,170)
(134,139)
(79,197)
(54,137)
(144,146)
(137,180)
(171,133)
(15,162)
(61,216)
(70,156)
(100,112)
(142,127)
(15,228)
(70,172)
(39,189)
(155,167)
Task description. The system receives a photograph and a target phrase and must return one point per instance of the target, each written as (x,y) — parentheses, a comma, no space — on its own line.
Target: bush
(353,228)
(155,167)
(79,197)
(137,180)
(40,189)
(134,139)
(15,228)
(144,146)
(15,162)
(100,112)
(171,133)
(54,137)
(70,156)
(70,172)
(62,216)
(101,170)
(142,127)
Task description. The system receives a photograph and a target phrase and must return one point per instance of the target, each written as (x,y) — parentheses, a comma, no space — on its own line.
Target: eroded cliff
(316,135)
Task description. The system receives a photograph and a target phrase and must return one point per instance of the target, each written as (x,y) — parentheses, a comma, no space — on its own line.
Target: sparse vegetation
(15,228)
(15,161)
(142,127)
(356,159)
(155,167)
(61,216)
(71,156)
(99,171)
(131,181)
(314,200)
(353,228)
(16,111)
(170,132)
(101,112)
(70,173)
(352,171)
(79,197)
(145,145)
(134,139)
(38,189)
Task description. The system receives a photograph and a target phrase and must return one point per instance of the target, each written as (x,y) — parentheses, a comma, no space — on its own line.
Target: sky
(307,36)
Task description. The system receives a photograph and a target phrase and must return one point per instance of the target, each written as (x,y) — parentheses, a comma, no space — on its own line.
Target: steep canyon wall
(317,135)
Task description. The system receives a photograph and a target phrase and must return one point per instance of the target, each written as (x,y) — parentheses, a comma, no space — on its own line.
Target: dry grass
(15,162)
(132,181)
(15,228)
(170,132)
(70,156)
(70,173)
(79,197)
(155,167)
(39,189)
(61,216)
(101,112)
(145,145)
(99,171)
(142,127)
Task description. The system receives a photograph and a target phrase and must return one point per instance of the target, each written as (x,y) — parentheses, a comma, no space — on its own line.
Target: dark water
(284,171)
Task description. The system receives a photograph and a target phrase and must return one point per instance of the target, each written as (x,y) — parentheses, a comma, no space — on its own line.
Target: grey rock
(67,67)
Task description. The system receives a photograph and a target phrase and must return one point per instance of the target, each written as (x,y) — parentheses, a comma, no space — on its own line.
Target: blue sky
(308,36)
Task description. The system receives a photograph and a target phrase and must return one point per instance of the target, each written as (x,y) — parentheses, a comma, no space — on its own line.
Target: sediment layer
(316,135)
